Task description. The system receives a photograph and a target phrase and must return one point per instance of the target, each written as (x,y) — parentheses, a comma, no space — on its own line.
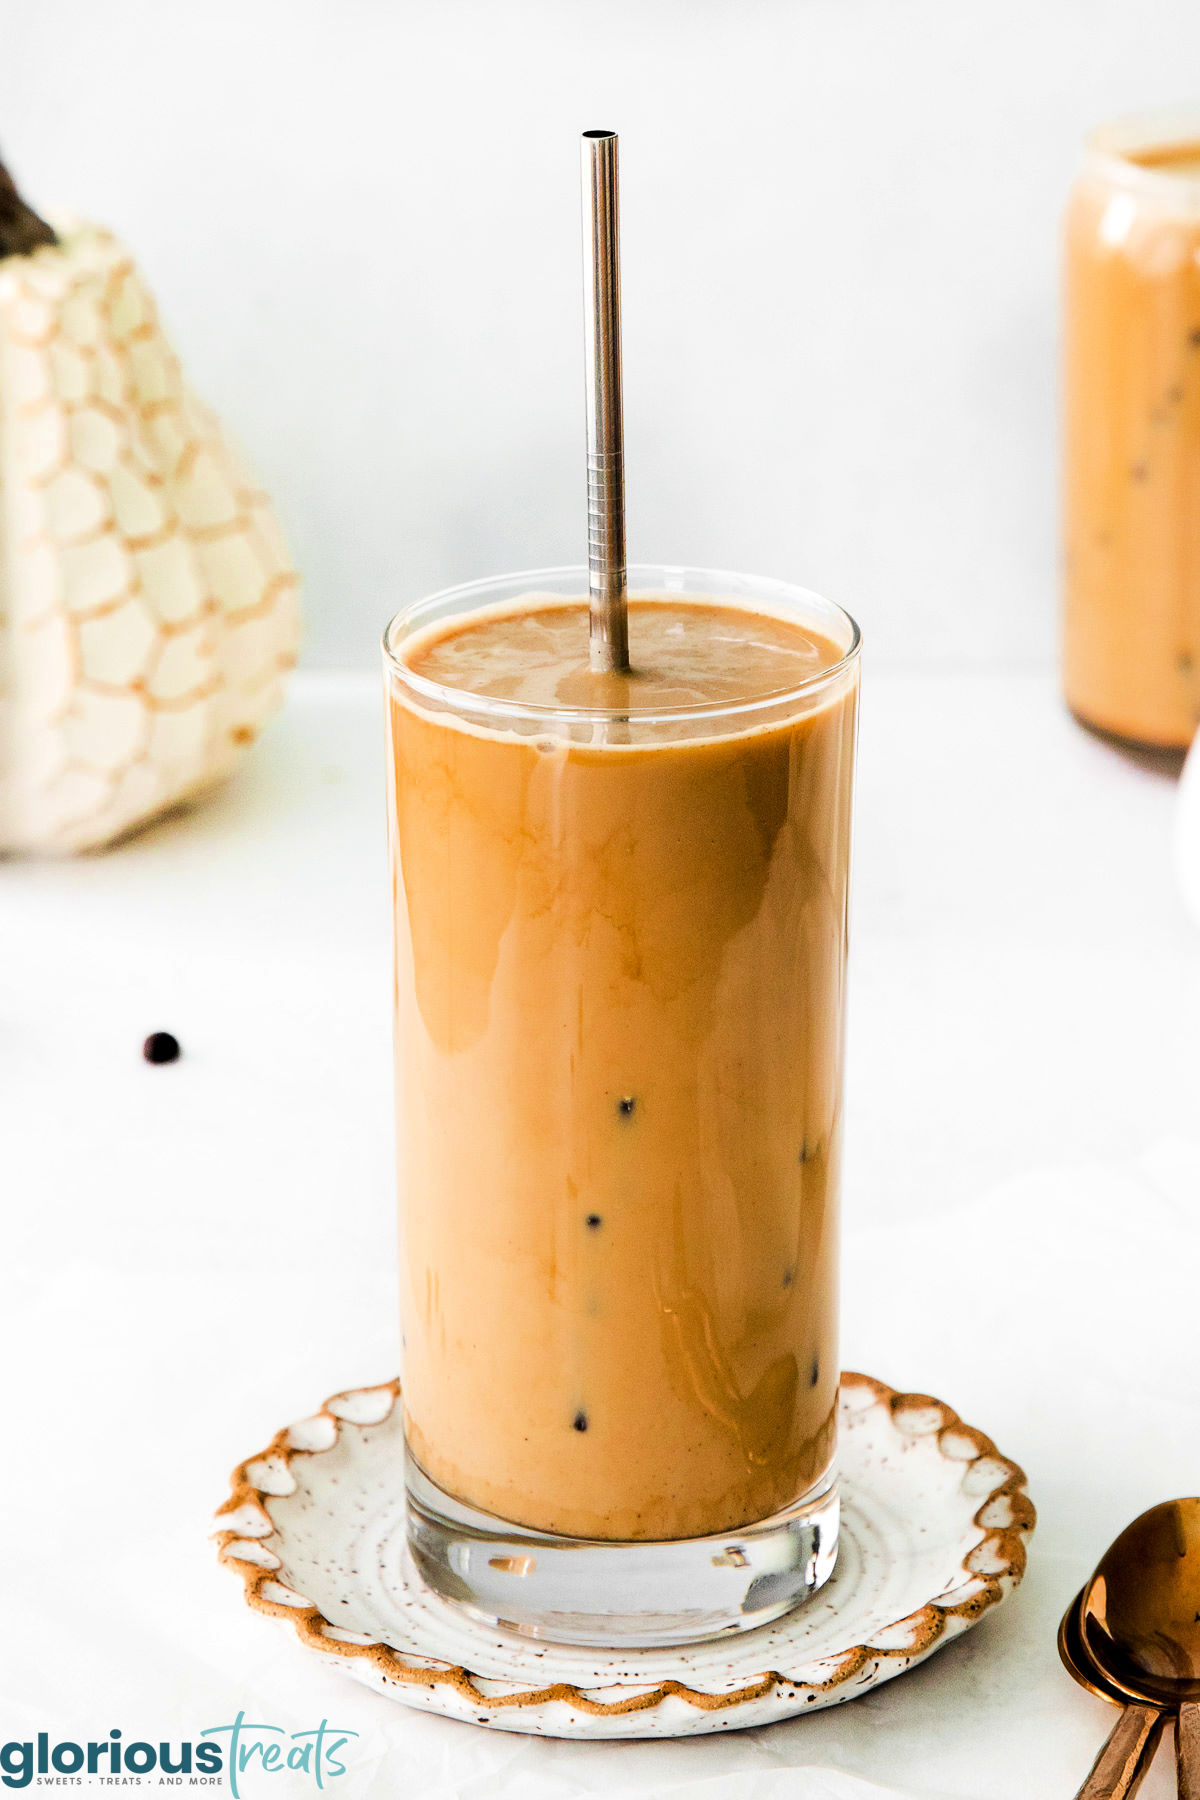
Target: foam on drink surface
(686,653)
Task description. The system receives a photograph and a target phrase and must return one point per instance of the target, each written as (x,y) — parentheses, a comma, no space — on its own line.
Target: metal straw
(608,629)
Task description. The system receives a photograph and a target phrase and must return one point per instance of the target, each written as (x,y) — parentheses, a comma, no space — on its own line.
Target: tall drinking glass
(620,923)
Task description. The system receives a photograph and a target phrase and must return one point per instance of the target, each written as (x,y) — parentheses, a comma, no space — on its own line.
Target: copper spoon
(1140,1622)
(1129,1750)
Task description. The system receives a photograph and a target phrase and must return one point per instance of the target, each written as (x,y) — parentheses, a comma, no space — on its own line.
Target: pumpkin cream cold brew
(620,955)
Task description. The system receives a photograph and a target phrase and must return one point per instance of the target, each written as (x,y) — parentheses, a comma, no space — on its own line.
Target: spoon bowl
(1076,1660)
(1140,1612)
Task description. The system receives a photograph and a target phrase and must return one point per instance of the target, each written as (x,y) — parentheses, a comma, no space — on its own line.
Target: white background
(362,223)
(840,219)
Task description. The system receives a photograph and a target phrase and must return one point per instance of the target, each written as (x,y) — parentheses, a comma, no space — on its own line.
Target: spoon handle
(1187,1750)
(1118,1770)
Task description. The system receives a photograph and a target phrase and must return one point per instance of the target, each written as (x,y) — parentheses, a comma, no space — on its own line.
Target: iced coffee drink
(620,906)
(1131,644)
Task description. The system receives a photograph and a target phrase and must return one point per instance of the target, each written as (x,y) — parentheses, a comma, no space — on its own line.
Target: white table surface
(200,1252)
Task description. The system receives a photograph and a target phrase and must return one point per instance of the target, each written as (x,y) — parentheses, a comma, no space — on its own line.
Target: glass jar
(1131,643)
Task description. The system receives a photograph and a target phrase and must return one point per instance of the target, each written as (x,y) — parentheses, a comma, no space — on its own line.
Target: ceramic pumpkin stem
(21,230)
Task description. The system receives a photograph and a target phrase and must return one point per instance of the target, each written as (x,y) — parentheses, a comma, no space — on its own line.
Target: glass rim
(493,706)
(1114,144)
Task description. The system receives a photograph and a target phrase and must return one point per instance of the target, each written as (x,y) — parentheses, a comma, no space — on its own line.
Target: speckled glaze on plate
(934,1528)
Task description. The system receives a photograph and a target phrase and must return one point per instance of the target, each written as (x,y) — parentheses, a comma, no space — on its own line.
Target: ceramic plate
(934,1527)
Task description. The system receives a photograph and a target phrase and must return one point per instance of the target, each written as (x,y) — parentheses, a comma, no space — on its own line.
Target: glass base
(620,1595)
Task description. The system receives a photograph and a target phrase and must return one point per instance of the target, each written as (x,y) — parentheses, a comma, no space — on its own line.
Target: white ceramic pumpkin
(148,608)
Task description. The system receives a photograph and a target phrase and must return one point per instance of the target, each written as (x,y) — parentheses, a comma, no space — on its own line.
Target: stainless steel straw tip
(608,629)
